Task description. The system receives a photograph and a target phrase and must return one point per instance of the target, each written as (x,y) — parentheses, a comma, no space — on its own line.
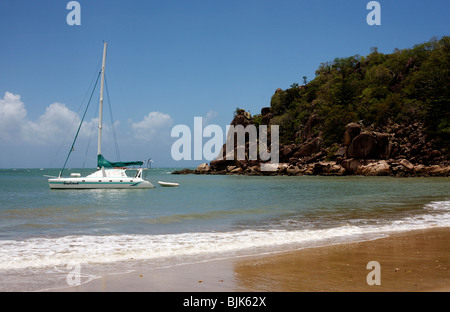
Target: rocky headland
(401,150)
(380,114)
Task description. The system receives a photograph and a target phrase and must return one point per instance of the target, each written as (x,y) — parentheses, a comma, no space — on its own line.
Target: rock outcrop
(395,150)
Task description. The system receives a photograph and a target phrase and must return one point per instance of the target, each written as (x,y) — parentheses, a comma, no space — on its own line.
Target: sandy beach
(408,262)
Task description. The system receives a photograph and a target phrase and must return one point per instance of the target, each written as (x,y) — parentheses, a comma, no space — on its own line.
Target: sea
(45,235)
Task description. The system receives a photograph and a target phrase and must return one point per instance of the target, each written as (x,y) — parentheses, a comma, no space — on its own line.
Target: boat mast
(101,102)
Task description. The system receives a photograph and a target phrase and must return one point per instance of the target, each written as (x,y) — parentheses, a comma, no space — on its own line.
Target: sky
(169,61)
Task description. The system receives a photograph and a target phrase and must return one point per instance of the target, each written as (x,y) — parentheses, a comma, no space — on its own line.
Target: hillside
(377,90)
(382,114)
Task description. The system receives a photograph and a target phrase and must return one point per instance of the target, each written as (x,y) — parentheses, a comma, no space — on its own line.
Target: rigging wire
(69,129)
(112,122)
(90,138)
(79,127)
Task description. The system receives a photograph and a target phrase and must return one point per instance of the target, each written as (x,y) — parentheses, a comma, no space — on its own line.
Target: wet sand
(411,261)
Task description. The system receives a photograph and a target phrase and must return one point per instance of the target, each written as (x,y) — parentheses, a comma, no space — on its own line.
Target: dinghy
(168,184)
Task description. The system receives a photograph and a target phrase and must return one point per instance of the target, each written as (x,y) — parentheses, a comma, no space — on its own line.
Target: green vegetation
(410,85)
(238,111)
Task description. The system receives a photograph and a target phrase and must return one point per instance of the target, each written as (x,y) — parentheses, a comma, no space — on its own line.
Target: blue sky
(170,61)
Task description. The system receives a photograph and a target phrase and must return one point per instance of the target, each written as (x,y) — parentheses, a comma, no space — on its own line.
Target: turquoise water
(206,217)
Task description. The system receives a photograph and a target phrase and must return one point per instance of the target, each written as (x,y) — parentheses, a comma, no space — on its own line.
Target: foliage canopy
(409,85)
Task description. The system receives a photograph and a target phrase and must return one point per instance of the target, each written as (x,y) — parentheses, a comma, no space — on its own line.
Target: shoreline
(347,167)
(417,260)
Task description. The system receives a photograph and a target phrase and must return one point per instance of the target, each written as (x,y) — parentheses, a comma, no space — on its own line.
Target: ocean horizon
(44,233)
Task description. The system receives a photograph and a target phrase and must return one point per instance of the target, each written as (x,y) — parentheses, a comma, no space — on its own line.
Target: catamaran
(109,175)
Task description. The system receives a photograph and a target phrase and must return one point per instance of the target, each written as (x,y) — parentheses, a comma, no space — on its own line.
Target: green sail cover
(102,162)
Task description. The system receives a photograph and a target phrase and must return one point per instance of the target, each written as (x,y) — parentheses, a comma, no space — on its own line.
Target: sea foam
(182,247)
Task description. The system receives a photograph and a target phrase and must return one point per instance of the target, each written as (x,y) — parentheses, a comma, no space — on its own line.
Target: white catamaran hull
(102,179)
(88,183)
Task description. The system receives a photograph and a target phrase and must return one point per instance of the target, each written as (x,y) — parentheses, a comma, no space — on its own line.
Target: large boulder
(362,146)
(351,131)
(265,111)
(221,164)
(438,171)
(382,150)
(285,153)
(243,118)
(203,168)
(293,170)
(380,168)
(407,165)
(329,168)
(309,148)
(184,171)
(351,165)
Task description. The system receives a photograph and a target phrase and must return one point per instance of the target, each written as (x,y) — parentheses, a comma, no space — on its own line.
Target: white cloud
(59,123)
(55,124)
(210,116)
(12,115)
(55,129)
(56,120)
(154,125)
